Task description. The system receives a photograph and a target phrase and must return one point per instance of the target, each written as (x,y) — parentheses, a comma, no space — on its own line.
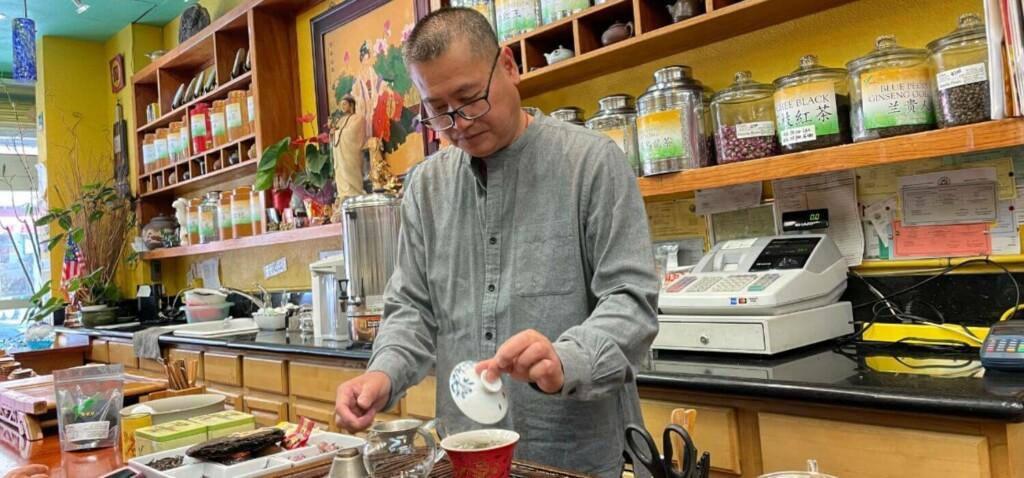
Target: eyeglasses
(471,110)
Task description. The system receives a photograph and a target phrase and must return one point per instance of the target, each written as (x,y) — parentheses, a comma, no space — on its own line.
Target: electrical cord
(894,312)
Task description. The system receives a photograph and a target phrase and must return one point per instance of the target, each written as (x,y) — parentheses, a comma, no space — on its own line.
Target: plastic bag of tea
(88,401)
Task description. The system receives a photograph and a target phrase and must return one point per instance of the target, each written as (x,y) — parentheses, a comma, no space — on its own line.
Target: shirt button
(490,288)
(494,240)
(488,336)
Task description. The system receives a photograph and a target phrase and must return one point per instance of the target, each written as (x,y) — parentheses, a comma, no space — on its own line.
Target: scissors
(642,445)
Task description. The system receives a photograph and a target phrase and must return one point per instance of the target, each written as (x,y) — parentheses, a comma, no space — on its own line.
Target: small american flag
(74,262)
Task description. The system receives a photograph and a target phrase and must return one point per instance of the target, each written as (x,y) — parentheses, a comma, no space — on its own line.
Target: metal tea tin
(569,114)
(485,7)
(616,118)
(671,125)
(515,17)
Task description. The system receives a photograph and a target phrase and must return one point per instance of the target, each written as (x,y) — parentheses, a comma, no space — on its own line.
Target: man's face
(458,77)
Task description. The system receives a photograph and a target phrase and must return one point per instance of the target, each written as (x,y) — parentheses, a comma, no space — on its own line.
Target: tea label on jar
(207,224)
(964,75)
(224,217)
(618,135)
(660,136)
(755,129)
(160,149)
(241,213)
(804,112)
(148,154)
(896,97)
(218,125)
(515,17)
(198,126)
(234,114)
(250,109)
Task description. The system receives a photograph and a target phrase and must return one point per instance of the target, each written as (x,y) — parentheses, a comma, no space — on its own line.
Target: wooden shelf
(653,42)
(929,144)
(219,93)
(268,239)
(208,179)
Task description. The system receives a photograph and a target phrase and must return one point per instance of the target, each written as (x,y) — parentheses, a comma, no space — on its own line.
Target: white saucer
(483,402)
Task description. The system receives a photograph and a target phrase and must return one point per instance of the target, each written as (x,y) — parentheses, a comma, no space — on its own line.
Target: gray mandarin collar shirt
(555,238)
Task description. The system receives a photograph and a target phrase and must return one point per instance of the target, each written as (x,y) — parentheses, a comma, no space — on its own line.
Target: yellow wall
(72,77)
(216,9)
(836,36)
(307,87)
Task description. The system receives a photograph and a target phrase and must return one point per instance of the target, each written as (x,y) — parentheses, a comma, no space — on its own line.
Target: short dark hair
(434,33)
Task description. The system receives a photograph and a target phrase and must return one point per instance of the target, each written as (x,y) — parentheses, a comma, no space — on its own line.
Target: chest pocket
(545,258)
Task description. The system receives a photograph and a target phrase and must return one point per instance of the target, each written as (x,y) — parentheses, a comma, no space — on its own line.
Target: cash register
(762,296)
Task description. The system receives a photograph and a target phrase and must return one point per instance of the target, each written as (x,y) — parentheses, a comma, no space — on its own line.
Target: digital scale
(762,295)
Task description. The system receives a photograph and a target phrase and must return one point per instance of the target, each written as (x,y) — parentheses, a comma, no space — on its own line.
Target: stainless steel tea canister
(671,123)
(616,119)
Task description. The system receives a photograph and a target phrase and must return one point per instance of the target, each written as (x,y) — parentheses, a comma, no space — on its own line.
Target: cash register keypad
(703,284)
(680,284)
(733,283)
(763,282)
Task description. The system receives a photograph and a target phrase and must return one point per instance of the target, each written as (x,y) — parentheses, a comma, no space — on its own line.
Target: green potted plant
(302,166)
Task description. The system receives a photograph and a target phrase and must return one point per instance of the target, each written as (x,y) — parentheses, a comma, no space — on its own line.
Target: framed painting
(360,75)
(117,73)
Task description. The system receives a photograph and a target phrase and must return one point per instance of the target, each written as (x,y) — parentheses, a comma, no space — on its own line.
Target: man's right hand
(360,399)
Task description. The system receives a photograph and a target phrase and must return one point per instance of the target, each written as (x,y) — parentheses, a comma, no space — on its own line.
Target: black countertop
(878,378)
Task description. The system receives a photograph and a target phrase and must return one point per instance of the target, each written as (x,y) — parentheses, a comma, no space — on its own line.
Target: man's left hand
(528,357)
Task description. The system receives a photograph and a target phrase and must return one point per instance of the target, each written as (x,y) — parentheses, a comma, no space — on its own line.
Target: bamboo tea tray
(28,405)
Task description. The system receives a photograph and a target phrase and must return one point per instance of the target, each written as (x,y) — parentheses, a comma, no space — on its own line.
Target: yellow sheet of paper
(882,180)
(674,218)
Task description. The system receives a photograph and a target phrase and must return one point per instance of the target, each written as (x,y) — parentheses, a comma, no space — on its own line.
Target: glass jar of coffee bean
(812,107)
(890,91)
(959,62)
(744,120)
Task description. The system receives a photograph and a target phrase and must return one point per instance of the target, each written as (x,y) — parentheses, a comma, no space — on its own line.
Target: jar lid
(617,103)
(213,195)
(571,114)
(743,88)
(672,78)
(886,51)
(970,29)
(370,200)
(808,71)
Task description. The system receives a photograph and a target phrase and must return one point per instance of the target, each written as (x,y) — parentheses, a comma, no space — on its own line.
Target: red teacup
(481,453)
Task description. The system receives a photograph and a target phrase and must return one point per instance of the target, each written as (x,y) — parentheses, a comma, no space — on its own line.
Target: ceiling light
(2,16)
(80,7)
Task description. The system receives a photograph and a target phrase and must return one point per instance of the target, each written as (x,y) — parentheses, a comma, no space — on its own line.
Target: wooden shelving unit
(929,144)
(656,36)
(266,30)
(268,239)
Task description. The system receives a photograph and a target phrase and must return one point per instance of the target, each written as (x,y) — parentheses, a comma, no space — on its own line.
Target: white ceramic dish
(482,401)
(254,468)
(222,328)
(270,320)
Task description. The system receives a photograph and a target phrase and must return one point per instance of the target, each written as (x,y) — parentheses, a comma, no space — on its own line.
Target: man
(525,247)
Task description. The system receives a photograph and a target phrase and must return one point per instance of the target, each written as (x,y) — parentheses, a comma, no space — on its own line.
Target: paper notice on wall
(949,197)
(742,224)
(1018,206)
(731,198)
(209,272)
(836,192)
(954,240)
(1005,237)
(872,251)
(673,219)
(880,215)
(275,268)
(883,180)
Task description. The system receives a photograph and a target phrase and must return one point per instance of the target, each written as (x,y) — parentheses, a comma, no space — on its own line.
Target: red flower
(298,141)
(381,121)
(306,118)
(324,138)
